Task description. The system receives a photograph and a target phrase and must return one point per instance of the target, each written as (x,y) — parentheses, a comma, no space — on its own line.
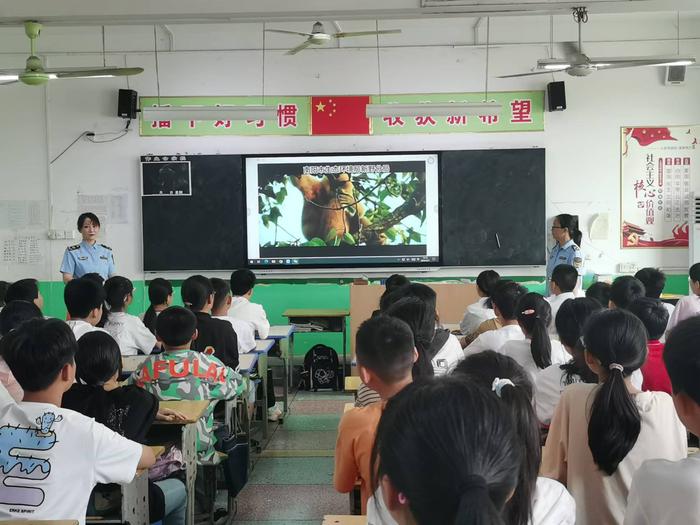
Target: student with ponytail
(127,330)
(601,434)
(432,461)
(537,351)
(537,500)
(160,295)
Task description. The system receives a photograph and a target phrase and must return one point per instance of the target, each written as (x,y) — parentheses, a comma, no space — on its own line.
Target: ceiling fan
(318,35)
(35,74)
(578,64)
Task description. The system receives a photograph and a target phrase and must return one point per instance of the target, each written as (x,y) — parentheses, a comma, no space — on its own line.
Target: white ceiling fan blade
(95,72)
(8,82)
(367,33)
(9,76)
(532,73)
(296,33)
(602,62)
(300,47)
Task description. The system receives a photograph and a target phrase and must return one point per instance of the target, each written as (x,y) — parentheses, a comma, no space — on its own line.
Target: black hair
(3,290)
(242,281)
(117,289)
(570,321)
(22,290)
(534,315)
(95,277)
(486,281)
(221,291)
(626,289)
(195,292)
(600,291)
(565,277)
(505,296)
(395,281)
(484,368)
(37,350)
(448,445)
(694,273)
(653,315)
(97,359)
(418,290)
(175,326)
(682,359)
(420,317)
(158,291)
(87,215)
(16,313)
(614,337)
(82,296)
(384,344)
(570,222)
(653,280)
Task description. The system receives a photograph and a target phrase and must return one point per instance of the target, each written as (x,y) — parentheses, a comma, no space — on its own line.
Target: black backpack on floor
(321,369)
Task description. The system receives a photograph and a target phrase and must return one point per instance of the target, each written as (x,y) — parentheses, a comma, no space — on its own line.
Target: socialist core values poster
(656,172)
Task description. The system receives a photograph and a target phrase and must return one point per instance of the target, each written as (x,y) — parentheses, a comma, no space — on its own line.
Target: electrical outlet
(627,267)
(55,235)
(69,234)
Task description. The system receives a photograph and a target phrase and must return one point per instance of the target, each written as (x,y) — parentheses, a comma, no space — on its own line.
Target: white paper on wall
(22,250)
(19,214)
(110,208)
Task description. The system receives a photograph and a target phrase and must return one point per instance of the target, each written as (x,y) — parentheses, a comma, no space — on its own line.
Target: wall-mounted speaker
(675,75)
(556,96)
(128,102)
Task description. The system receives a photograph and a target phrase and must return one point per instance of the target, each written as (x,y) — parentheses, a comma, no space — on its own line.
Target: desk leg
(262,372)
(189,455)
(135,500)
(346,369)
(285,376)
(290,360)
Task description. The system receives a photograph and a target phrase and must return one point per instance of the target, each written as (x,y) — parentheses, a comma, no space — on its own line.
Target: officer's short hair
(242,281)
(565,277)
(82,296)
(87,215)
(175,326)
(22,290)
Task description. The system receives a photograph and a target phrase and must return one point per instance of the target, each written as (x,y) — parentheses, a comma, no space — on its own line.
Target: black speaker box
(556,96)
(128,102)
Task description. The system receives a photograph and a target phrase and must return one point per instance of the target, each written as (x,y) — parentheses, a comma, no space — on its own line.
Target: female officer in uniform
(89,256)
(567,249)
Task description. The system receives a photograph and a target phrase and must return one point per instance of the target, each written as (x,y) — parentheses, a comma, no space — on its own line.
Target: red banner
(339,115)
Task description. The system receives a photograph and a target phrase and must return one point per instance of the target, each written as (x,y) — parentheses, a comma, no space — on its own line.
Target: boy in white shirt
(242,283)
(222,302)
(53,457)
(562,285)
(84,299)
(505,301)
(688,306)
(654,281)
(666,492)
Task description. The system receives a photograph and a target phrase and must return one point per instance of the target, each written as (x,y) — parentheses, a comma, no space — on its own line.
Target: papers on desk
(280,331)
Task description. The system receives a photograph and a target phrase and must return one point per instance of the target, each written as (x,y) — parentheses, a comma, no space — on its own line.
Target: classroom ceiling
(136,12)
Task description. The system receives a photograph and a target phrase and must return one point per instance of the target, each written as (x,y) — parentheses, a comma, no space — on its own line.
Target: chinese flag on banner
(646,136)
(339,116)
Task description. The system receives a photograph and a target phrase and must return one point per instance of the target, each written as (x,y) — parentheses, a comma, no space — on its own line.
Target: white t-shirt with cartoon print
(51,458)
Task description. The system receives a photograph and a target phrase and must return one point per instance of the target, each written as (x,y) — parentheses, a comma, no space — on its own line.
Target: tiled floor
(292,481)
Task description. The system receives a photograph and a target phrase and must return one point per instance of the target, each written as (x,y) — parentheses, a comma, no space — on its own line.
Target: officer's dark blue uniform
(88,258)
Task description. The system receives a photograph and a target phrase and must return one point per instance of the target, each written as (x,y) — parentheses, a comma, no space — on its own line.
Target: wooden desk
(246,363)
(352,383)
(131,362)
(331,320)
(264,345)
(344,520)
(192,410)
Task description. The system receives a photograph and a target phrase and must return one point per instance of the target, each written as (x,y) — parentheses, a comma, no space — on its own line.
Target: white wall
(582,143)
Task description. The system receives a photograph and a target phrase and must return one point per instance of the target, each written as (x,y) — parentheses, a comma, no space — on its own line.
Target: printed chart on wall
(656,173)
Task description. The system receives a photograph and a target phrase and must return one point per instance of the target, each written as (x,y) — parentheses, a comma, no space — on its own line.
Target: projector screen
(342,210)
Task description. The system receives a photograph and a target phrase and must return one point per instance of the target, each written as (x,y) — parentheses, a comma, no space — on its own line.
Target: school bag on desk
(321,369)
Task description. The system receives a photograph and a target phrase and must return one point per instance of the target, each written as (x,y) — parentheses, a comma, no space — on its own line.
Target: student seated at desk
(385,354)
(600,291)
(538,350)
(12,316)
(688,306)
(160,295)
(128,330)
(562,286)
(25,290)
(654,316)
(654,281)
(214,335)
(245,333)
(59,455)
(665,492)
(242,283)
(624,291)
(128,410)
(84,300)
(482,310)
(393,282)
(505,302)
(180,373)
(537,500)
(601,434)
